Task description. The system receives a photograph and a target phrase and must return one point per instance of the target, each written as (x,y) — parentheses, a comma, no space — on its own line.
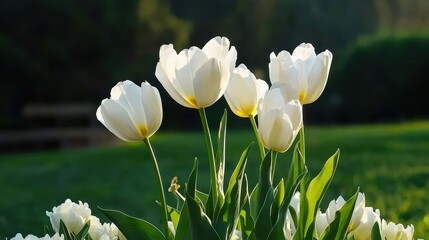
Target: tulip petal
(128,95)
(277,130)
(318,76)
(303,52)
(168,86)
(211,80)
(117,120)
(153,107)
(217,48)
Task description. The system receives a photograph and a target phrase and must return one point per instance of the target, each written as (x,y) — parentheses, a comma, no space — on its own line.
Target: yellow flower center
(143,131)
(191,100)
(302,96)
(246,111)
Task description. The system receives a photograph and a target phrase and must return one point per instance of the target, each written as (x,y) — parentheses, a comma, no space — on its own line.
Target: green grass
(390,163)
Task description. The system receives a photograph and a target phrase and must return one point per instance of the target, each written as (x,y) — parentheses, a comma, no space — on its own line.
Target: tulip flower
(244,92)
(369,218)
(279,120)
(324,219)
(74,216)
(132,113)
(196,78)
(304,72)
(392,231)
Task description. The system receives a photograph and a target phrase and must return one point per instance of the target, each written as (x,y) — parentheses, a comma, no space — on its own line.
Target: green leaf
(220,163)
(277,229)
(263,223)
(264,183)
(63,230)
(337,230)
(133,228)
(183,230)
(279,194)
(375,232)
(201,227)
(317,188)
(230,211)
(201,196)
(174,215)
(192,180)
(247,222)
(84,231)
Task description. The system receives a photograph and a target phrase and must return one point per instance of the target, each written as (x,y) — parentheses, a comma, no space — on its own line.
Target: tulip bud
(279,120)
(132,113)
(244,92)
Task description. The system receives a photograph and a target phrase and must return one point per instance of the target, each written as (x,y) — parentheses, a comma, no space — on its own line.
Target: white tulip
(132,113)
(32,237)
(279,120)
(196,78)
(324,219)
(244,92)
(74,216)
(304,73)
(392,231)
(369,218)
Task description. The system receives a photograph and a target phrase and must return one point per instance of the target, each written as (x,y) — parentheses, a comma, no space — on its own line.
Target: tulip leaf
(230,211)
(63,230)
(183,230)
(264,183)
(263,222)
(84,231)
(277,229)
(375,232)
(317,188)
(174,215)
(192,180)
(133,228)
(200,224)
(337,230)
(279,194)
(246,223)
(220,160)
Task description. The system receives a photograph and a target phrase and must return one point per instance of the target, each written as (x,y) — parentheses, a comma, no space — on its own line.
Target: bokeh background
(75,51)
(71,52)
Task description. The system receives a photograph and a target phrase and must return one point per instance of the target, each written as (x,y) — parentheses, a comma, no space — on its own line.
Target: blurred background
(72,51)
(59,59)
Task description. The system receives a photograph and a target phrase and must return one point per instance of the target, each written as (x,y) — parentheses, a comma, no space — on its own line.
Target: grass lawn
(390,163)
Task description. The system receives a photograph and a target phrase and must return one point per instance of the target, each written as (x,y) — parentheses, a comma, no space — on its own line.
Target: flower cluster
(284,210)
(75,219)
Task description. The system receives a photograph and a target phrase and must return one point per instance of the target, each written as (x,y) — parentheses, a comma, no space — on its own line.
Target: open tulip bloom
(304,73)
(285,207)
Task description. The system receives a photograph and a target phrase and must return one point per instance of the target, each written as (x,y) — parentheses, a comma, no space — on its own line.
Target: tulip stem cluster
(161,188)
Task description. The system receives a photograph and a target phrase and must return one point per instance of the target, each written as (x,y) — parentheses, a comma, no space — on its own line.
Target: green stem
(302,143)
(212,161)
(273,164)
(258,138)
(161,188)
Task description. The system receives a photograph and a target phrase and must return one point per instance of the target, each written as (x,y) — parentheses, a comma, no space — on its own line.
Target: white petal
(130,100)
(152,107)
(318,76)
(117,120)
(217,47)
(211,81)
(168,86)
(231,58)
(303,52)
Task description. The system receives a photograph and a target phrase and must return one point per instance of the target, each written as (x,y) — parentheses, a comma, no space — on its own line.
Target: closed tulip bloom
(279,120)
(244,92)
(304,72)
(196,78)
(392,231)
(132,113)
